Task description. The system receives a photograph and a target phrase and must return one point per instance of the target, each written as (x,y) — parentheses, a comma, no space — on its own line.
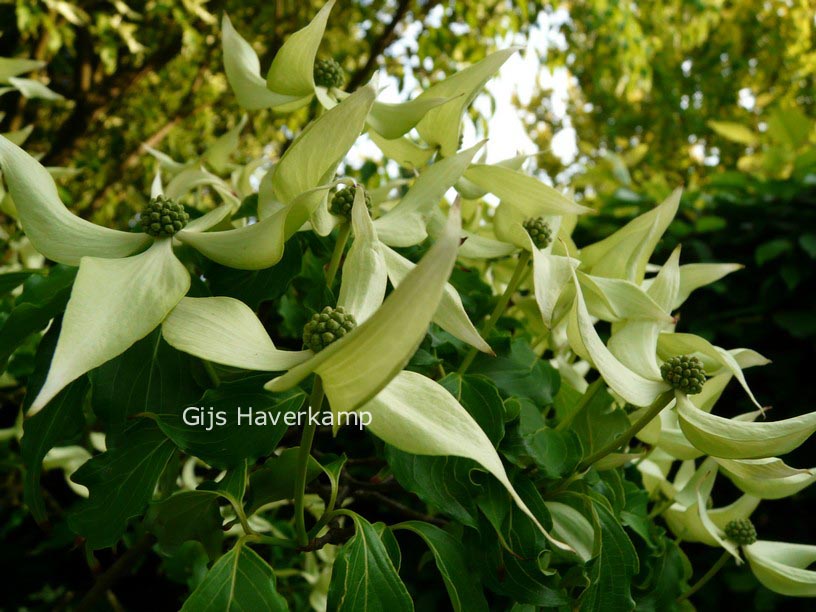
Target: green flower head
(163,217)
(539,231)
(343,201)
(326,326)
(328,73)
(741,532)
(684,373)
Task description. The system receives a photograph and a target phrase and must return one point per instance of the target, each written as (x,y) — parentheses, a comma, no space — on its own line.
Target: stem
(501,305)
(315,403)
(337,255)
(659,404)
(210,369)
(592,390)
(708,576)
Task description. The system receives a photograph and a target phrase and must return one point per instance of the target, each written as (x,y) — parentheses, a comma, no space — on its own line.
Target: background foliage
(715,96)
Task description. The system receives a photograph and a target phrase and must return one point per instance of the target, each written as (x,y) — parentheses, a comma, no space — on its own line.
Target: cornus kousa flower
(358,349)
(128,282)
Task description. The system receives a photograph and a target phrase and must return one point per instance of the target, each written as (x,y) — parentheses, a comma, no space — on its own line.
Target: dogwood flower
(128,282)
(361,368)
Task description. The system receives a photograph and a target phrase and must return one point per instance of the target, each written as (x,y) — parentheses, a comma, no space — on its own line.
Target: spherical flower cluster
(163,217)
(326,326)
(741,532)
(684,373)
(328,73)
(343,200)
(539,231)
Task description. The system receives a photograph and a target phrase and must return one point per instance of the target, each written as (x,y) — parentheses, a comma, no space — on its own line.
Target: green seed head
(163,217)
(328,73)
(539,231)
(343,200)
(741,532)
(326,326)
(684,373)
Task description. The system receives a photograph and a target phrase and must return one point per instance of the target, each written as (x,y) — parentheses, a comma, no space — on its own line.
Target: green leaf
(480,397)
(275,479)
(364,273)
(769,478)
(43,298)
(11,280)
(441,126)
(243,69)
(525,193)
(314,155)
(735,132)
(451,561)
(121,482)
(405,224)
(184,516)
(364,577)
(808,244)
(556,453)
(240,580)
(12,66)
(237,420)
(292,70)
(114,303)
(60,421)
(771,250)
(34,89)
(395,120)
(226,331)
(614,569)
(147,375)
(419,416)
(359,365)
(518,371)
(735,439)
(52,229)
(450,315)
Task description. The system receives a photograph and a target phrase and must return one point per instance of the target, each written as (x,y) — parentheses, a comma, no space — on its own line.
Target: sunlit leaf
(52,229)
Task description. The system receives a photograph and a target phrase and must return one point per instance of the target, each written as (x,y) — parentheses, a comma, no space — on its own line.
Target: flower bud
(163,217)
(539,231)
(684,373)
(343,200)
(741,532)
(328,73)
(326,326)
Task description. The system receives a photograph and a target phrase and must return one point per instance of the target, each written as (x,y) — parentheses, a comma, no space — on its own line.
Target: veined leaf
(321,146)
(769,478)
(395,120)
(450,315)
(114,303)
(441,126)
(364,576)
(52,229)
(404,225)
(243,69)
(625,253)
(733,439)
(585,341)
(240,580)
(356,367)
(402,150)
(782,567)
(451,561)
(364,271)
(292,70)
(418,416)
(226,331)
